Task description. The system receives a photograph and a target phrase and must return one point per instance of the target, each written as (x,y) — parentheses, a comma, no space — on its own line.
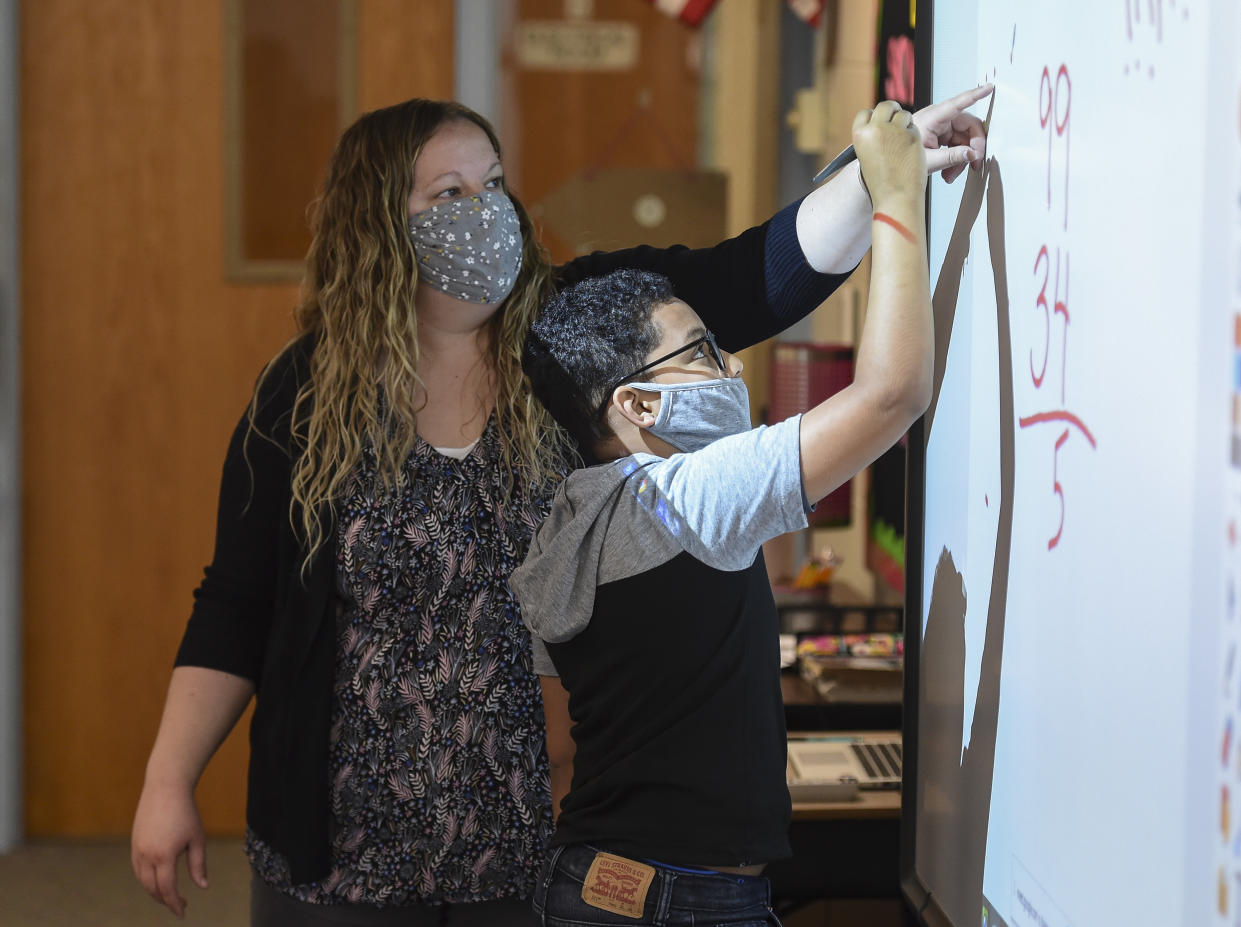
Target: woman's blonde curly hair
(358,304)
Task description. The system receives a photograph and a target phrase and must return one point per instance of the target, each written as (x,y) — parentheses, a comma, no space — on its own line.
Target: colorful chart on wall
(1073,753)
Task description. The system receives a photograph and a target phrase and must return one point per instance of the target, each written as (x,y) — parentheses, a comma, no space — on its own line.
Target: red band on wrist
(905,233)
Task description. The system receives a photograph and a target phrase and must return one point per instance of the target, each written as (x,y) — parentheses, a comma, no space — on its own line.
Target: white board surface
(1079,683)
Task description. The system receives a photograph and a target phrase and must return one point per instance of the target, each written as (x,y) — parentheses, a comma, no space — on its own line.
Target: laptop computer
(821,767)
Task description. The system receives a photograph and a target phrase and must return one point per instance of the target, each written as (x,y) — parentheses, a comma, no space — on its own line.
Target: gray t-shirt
(622,518)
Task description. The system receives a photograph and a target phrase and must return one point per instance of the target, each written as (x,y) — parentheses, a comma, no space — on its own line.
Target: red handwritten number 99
(1050,118)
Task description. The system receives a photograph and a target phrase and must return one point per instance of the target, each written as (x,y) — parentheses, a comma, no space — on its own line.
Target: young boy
(653,624)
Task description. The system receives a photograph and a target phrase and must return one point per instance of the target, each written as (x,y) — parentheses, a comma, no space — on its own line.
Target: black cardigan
(254,616)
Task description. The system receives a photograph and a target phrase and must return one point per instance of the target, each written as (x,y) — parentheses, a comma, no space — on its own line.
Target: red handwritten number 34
(1060,308)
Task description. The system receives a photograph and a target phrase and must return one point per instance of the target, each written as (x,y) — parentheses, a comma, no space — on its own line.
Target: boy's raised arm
(892,378)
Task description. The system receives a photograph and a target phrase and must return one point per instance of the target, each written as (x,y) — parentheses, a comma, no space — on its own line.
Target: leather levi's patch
(617,884)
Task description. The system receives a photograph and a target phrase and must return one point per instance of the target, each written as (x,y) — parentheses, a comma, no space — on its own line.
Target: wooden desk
(869,803)
(841,849)
(883,803)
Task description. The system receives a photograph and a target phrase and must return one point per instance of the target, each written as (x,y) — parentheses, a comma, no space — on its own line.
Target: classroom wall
(847,85)
(138,355)
(137,360)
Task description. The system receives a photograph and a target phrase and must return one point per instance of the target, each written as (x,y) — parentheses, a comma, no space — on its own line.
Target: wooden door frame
(742,110)
(478,26)
(10,441)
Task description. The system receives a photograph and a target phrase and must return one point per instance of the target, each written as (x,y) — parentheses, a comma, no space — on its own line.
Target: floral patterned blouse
(440,789)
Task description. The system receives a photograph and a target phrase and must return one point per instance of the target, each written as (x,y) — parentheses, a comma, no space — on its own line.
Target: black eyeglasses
(713,349)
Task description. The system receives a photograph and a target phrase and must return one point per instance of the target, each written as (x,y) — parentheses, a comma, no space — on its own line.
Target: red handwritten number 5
(1057,488)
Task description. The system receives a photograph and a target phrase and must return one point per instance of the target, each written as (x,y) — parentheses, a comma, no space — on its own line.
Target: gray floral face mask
(470,247)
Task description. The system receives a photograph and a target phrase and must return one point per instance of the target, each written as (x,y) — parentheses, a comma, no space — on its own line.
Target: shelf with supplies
(843,659)
(834,609)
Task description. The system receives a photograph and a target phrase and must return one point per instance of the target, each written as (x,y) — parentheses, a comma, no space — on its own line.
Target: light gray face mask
(470,247)
(692,415)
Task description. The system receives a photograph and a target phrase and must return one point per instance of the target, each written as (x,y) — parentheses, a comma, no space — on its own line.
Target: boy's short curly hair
(588,335)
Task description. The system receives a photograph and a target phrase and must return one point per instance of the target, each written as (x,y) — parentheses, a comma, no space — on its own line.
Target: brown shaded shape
(955,782)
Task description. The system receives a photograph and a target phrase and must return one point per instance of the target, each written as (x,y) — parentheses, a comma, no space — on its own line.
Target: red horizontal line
(1058,415)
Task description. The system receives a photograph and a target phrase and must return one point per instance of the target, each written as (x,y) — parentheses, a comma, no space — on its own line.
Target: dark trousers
(675,897)
(272,908)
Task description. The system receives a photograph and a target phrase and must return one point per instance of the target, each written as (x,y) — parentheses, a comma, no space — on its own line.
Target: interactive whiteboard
(1073,681)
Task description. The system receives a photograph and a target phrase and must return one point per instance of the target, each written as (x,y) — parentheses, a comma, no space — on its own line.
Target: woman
(375,497)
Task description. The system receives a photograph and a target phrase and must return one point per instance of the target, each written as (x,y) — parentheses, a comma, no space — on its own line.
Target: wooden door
(137,358)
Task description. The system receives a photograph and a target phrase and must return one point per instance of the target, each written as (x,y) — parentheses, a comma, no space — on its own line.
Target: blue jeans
(675,897)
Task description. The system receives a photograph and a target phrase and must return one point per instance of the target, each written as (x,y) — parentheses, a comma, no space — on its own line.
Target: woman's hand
(889,151)
(952,137)
(833,222)
(166,825)
(201,708)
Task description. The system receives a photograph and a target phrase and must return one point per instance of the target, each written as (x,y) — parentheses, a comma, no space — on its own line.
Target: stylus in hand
(836,164)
